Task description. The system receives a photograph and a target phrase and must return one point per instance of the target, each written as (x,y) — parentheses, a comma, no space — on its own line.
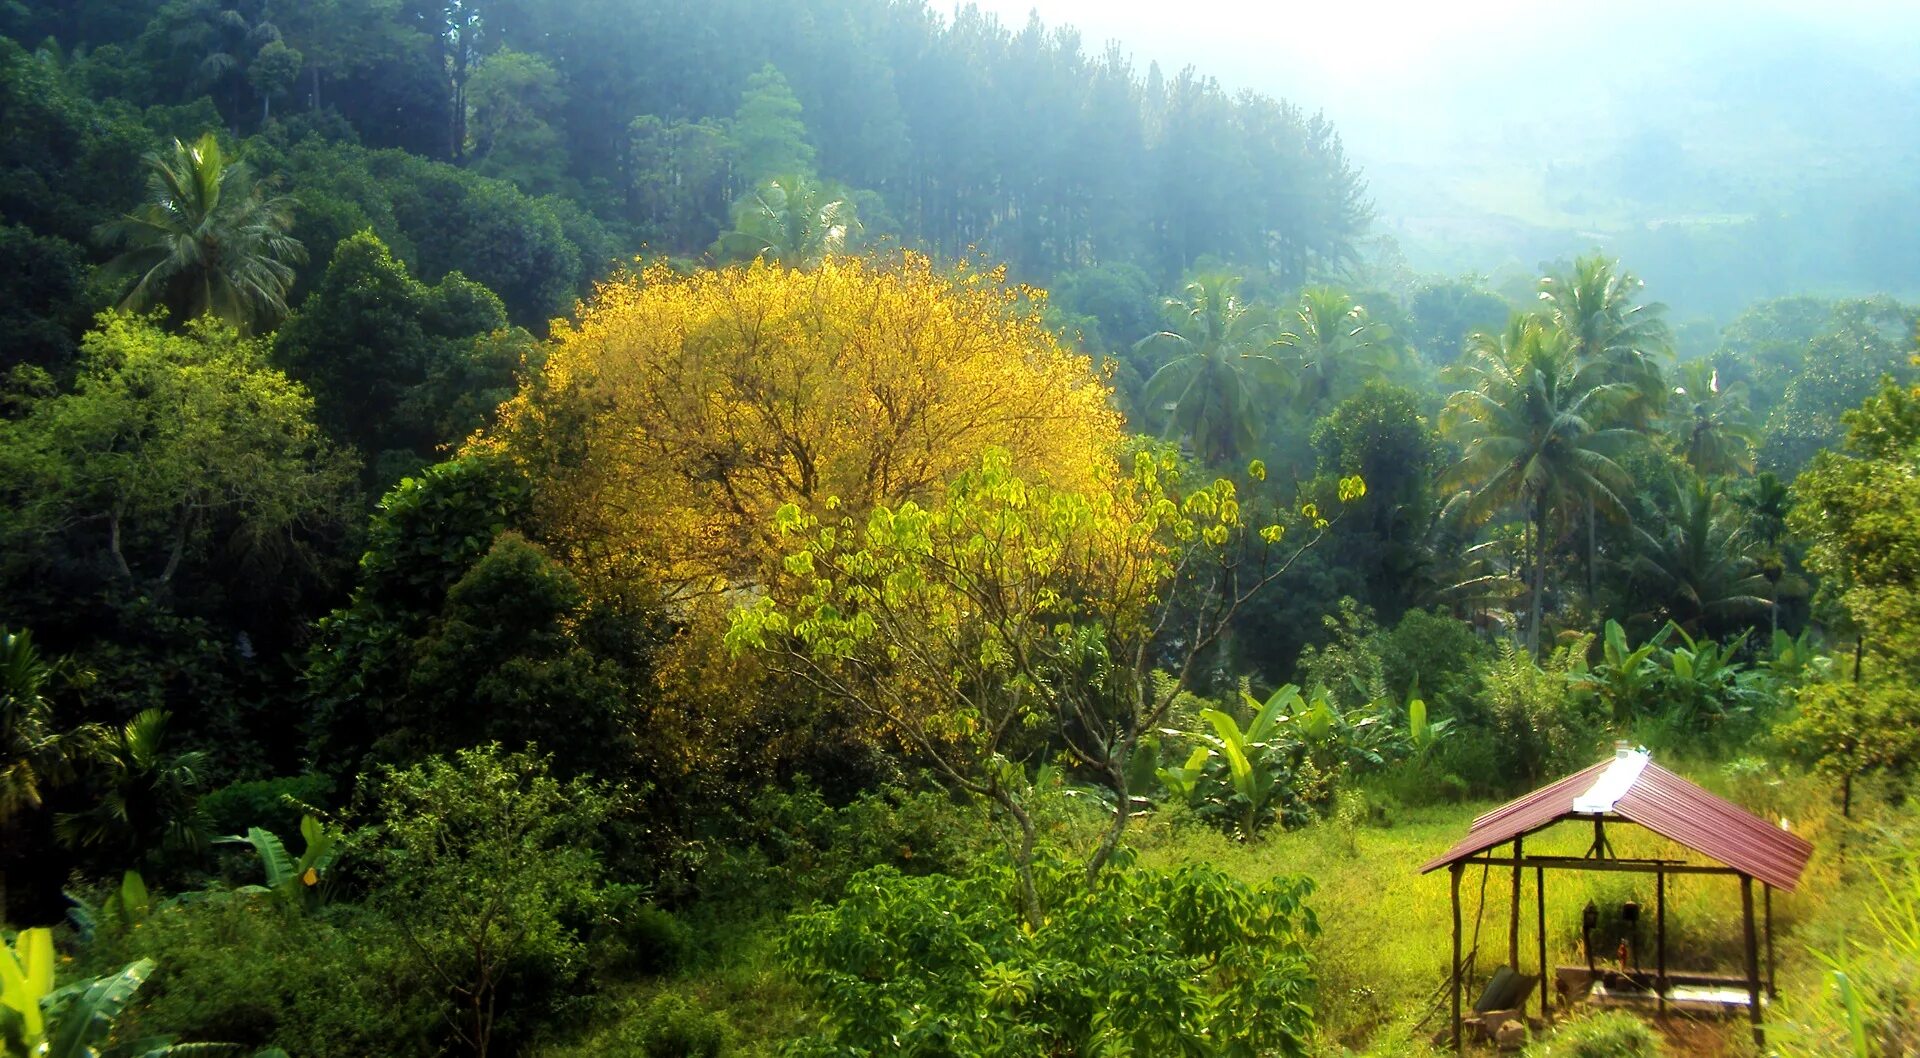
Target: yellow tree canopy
(682,411)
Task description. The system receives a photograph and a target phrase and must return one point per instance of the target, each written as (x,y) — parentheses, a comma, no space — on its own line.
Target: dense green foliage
(655,528)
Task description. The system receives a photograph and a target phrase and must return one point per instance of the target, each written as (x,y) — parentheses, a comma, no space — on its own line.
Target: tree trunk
(1539,576)
(1593,550)
(1121,812)
(1022,856)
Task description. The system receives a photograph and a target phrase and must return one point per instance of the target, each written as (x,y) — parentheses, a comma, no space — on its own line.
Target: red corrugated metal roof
(1662,802)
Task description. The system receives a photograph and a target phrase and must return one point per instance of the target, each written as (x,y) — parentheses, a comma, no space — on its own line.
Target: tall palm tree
(207,240)
(1710,422)
(1333,345)
(793,220)
(1217,381)
(34,753)
(1596,304)
(1532,437)
(1700,565)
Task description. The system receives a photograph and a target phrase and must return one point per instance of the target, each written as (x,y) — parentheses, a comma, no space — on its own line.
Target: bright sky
(1380,65)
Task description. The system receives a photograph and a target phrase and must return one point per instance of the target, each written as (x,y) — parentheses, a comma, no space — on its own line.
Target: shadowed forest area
(652,529)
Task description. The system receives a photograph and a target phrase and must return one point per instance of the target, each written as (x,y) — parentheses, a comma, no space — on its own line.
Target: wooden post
(1660,939)
(1767,894)
(1753,961)
(1546,975)
(1513,916)
(1459,1039)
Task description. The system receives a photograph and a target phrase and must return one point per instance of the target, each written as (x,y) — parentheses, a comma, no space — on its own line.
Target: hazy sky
(1394,68)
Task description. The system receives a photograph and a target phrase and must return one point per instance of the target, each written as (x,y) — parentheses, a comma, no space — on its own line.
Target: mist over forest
(671,529)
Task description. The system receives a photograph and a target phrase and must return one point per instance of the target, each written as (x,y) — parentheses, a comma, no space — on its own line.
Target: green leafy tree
(1008,607)
(426,534)
(1859,512)
(488,862)
(768,131)
(1216,385)
(272,73)
(208,240)
(170,449)
(397,367)
(1533,434)
(793,220)
(515,98)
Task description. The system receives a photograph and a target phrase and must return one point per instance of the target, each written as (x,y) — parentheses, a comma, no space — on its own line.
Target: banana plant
(1704,680)
(1422,735)
(1183,782)
(300,883)
(1626,675)
(1795,657)
(1250,754)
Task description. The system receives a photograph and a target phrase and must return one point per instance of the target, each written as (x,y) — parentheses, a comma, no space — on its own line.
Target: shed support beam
(1753,962)
(1660,939)
(1540,902)
(1513,915)
(1459,1039)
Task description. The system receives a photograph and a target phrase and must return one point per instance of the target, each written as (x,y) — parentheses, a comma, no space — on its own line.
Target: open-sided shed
(1630,788)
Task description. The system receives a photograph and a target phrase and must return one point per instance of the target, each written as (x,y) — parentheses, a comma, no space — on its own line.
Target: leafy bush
(786,848)
(1601,1036)
(1542,726)
(488,863)
(944,965)
(1443,656)
(642,938)
(670,1026)
(241,970)
(270,804)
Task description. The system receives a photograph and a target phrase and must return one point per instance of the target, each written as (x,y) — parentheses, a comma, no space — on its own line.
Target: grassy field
(1385,941)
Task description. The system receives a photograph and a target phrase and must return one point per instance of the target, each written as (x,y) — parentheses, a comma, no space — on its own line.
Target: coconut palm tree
(793,220)
(208,240)
(34,753)
(1218,380)
(1710,423)
(1596,304)
(1534,437)
(1332,346)
(1700,565)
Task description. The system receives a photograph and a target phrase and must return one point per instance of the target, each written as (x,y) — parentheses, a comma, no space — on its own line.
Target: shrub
(641,938)
(242,971)
(942,965)
(1542,727)
(1601,1036)
(671,1026)
(271,804)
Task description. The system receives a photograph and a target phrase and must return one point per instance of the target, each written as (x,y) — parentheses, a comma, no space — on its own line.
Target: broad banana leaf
(26,976)
(1232,747)
(83,1013)
(273,854)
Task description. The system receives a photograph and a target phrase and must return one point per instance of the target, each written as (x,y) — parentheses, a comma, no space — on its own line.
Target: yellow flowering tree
(1010,608)
(669,424)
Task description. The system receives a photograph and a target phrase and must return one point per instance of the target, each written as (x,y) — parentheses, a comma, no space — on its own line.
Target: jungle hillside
(650,529)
